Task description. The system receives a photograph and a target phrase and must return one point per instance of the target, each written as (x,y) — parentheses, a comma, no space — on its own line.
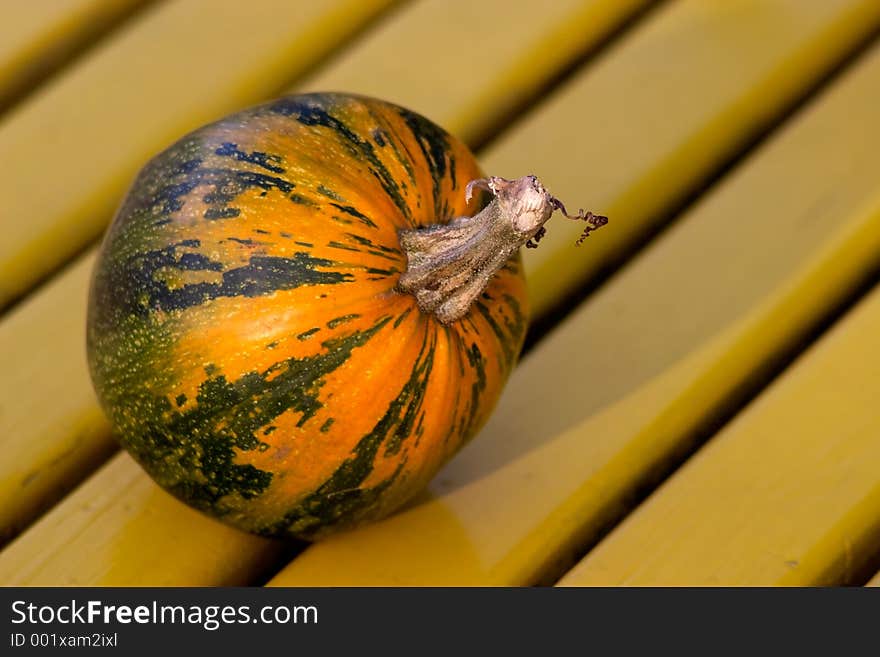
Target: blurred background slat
(787,494)
(37,38)
(490,59)
(691,88)
(619,393)
(50,419)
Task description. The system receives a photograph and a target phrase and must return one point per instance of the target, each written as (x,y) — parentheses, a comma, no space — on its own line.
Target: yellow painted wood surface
(120,499)
(38,37)
(488,58)
(787,494)
(57,432)
(614,395)
(663,105)
(70,436)
(77,142)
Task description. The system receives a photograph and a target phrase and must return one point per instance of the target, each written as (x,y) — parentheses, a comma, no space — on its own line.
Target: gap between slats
(785,494)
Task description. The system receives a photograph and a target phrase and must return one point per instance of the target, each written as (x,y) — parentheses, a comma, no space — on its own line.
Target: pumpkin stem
(449,265)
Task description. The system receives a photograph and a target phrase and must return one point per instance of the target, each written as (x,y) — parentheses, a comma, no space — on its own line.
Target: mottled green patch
(338,321)
(381,273)
(411,397)
(405,162)
(315,110)
(224,186)
(194,453)
(327,424)
(478,364)
(344,247)
(341,498)
(305,335)
(246,241)
(401,317)
(434,144)
(357,214)
(268,161)
(221,213)
(143,281)
(455,339)
(507,342)
(299,199)
(365,241)
(384,137)
(378,250)
(420,429)
(517,323)
(329,193)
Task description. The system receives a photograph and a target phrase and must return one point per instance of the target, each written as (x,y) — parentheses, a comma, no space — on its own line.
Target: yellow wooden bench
(744,128)
(38,38)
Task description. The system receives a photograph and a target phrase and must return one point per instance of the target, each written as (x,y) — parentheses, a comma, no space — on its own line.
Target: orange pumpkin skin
(245,337)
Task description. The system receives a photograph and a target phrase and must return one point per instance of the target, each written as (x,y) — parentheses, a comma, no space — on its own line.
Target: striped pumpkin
(245,334)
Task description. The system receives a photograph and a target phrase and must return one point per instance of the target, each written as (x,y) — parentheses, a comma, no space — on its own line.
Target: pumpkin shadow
(559,385)
(615,346)
(166,543)
(423,544)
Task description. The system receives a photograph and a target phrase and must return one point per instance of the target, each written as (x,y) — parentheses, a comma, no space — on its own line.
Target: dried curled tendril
(594,221)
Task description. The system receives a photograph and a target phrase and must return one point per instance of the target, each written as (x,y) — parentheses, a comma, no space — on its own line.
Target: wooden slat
(787,494)
(71,148)
(875,581)
(54,447)
(57,432)
(616,394)
(489,58)
(37,37)
(216,556)
(636,132)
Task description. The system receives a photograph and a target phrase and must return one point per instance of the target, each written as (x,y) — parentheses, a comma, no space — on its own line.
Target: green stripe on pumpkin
(341,496)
